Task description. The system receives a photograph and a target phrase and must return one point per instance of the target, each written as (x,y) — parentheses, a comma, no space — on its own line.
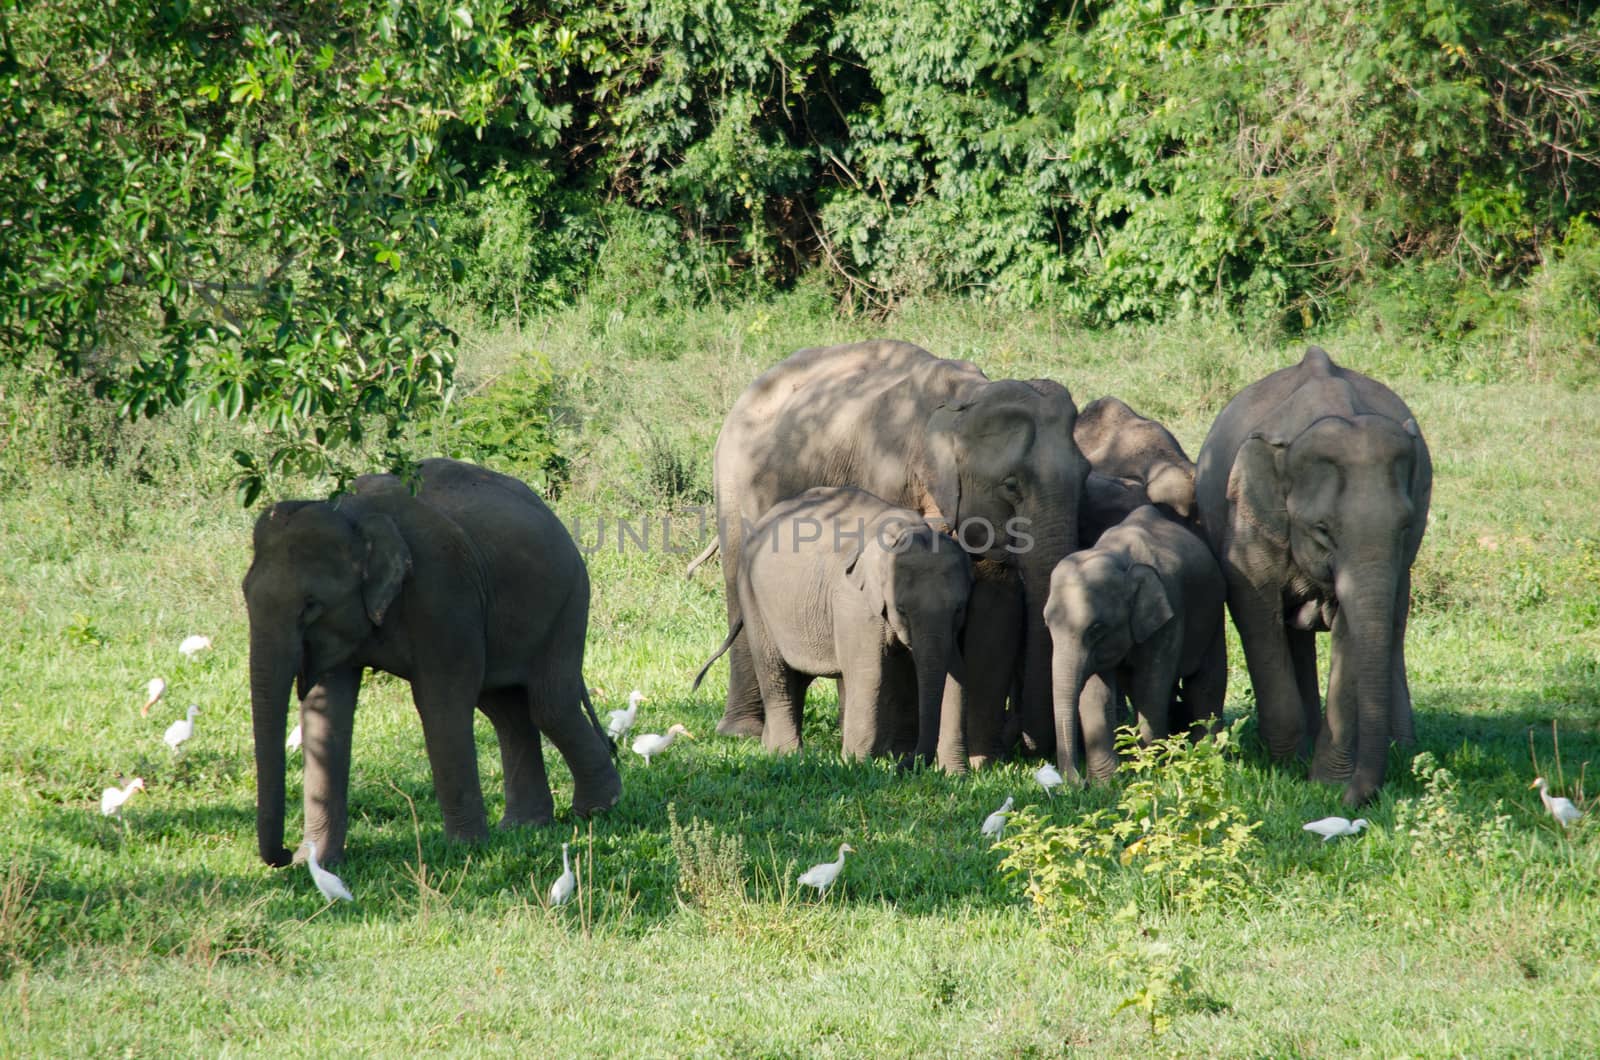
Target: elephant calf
(472,590)
(1138,614)
(1133,460)
(839,583)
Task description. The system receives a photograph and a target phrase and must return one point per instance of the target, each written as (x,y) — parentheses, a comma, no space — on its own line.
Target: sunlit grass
(164,933)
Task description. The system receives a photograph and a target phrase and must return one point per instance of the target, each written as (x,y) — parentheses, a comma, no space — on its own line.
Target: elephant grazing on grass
(470,589)
(1313,488)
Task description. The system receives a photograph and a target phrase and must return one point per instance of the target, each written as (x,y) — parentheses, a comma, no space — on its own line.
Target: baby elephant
(1137,615)
(839,583)
(1131,456)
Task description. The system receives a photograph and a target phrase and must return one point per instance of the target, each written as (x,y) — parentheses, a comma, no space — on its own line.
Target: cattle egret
(111,799)
(193,645)
(181,729)
(293,742)
(822,876)
(618,722)
(1561,809)
(994,825)
(562,889)
(331,886)
(653,744)
(153,692)
(1049,779)
(1328,827)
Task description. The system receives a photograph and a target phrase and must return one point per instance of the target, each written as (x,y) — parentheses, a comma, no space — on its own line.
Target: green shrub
(510,424)
(711,864)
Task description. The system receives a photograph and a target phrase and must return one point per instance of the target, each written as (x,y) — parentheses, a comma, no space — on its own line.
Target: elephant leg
(1205,690)
(327,715)
(745,712)
(782,688)
(1402,728)
(899,724)
(991,644)
(1151,689)
(446,708)
(528,799)
(861,724)
(557,710)
(1303,655)
(1098,705)
(1280,705)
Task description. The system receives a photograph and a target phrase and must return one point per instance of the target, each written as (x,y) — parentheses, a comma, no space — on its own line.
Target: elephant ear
(942,468)
(385,565)
(865,575)
(1257,492)
(1151,609)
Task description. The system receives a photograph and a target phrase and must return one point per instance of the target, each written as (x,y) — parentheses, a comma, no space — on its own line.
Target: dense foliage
(274,209)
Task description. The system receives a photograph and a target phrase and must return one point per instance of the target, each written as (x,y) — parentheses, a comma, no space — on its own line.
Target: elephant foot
(596,796)
(740,726)
(1359,793)
(983,761)
(1327,769)
(522,820)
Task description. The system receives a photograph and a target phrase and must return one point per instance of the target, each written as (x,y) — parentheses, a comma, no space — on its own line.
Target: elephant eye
(1095,631)
(311,611)
(1011,487)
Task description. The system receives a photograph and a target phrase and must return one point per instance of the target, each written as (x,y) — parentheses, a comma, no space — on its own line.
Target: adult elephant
(992,460)
(1313,488)
(470,589)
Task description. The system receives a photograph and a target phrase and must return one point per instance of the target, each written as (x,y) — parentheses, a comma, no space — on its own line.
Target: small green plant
(1437,826)
(1160,982)
(671,473)
(82,632)
(20,936)
(1173,826)
(711,865)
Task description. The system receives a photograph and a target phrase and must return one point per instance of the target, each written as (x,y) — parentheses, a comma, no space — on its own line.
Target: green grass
(165,933)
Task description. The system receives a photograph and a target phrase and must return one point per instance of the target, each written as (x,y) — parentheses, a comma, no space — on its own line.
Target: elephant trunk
(1051,545)
(273,664)
(1367,606)
(941,676)
(1068,672)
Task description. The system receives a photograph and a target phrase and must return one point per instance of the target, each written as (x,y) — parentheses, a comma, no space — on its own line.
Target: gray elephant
(470,589)
(1133,461)
(839,583)
(993,460)
(1313,488)
(1138,615)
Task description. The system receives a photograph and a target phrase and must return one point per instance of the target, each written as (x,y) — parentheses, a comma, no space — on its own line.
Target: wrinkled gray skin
(1121,444)
(932,435)
(1138,615)
(838,583)
(471,590)
(1313,488)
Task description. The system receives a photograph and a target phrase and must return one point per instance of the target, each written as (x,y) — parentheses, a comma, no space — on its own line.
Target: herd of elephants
(986,569)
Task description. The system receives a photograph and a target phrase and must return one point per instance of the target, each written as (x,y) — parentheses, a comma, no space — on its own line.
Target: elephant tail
(595,721)
(732,635)
(694,564)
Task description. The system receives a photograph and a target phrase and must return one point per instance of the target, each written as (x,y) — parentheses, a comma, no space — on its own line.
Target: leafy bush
(1173,827)
(711,865)
(511,425)
(1437,827)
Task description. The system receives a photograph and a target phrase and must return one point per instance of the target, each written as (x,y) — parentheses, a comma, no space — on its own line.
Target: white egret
(193,645)
(561,890)
(331,886)
(181,729)
(1560,808)
(822,876)
(153,693)
(111,799)
(1328,827)
(293,742)
(618,722)
(994,825)
(1049,778)
(653,744)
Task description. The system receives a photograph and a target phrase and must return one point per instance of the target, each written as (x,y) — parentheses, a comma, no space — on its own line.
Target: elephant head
(323,577)
(1340,506)
(918,580)
(1003,470)
(1101,612)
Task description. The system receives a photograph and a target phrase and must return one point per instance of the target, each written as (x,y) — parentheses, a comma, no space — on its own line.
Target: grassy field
(1462,923)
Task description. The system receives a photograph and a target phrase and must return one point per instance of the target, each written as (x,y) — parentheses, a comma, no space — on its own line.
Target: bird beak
(689,734)
(1535,784)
